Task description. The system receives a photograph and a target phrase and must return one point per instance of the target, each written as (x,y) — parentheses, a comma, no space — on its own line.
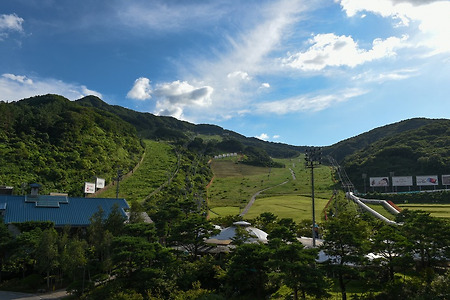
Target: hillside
(351,145)
(60,144)
(424,150)
(154,127)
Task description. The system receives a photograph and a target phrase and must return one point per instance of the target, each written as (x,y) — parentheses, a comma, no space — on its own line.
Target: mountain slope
(168,128)
(420,151)
(348,146)
(60,144)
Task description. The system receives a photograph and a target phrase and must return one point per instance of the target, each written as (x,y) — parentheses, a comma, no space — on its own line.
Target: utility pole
(313,156)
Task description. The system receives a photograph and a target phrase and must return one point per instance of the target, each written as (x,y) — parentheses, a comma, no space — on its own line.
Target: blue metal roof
(60,210)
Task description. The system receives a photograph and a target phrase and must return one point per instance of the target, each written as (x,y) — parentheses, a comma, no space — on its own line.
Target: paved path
(252,200)
(6,295)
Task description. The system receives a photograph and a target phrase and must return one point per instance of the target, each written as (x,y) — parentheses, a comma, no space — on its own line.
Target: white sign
(427,180)
(100,183)
(89,188)
(445,179)
(402,181)
(379,181)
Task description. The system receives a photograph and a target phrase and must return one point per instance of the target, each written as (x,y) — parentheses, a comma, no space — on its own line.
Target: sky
(301,72)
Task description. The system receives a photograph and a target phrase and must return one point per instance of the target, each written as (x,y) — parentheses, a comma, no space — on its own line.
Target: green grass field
(235,183)
(435,210)
(158,163)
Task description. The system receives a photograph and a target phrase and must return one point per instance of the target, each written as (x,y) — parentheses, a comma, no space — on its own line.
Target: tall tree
(47,253)
(346,244)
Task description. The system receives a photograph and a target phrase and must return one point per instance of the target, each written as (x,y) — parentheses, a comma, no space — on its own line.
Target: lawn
(435,210)
(296,207)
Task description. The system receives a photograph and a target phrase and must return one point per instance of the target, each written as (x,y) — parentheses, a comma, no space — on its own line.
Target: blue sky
(307,72)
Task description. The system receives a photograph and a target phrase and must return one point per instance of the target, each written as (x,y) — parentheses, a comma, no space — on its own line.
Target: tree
(430,237)
(47,253)
(191,232)
(296,266)
(114,223)
(391,246)
(5,241)
(346,244)
(247,271)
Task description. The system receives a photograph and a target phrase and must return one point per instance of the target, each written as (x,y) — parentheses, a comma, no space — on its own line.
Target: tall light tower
(313,157)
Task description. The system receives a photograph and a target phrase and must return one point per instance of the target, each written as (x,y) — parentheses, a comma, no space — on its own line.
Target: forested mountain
(409,148)
(60,144)
(168,128)
(348,146)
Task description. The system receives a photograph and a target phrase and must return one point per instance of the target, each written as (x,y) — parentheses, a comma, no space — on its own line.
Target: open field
(435,210)
(381,210)
(236,183)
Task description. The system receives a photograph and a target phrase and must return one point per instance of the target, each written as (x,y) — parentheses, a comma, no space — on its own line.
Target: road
(6,295)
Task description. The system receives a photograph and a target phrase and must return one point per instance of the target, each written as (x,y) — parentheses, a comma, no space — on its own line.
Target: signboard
(89,188)
(379,181)
(445,179)
(402,181)
(100,183)
(427,180)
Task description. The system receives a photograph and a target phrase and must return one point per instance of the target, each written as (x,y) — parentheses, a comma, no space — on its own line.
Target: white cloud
(265,85)
(276,136)
(332,50)
(432,18)
(11,22)
(239,75)
(18,78)
(173,98)
(381,77)
(16,87)
(141,89)
(262,136)
(306,103)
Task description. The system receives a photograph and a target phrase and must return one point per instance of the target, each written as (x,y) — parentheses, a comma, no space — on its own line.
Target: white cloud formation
(16,87)
(173,98)
(306,103)
(263,136)
(10,23)
(332,50)
(141,89)
(432,18)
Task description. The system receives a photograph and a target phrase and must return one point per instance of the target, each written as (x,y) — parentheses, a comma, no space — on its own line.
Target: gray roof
(61,210)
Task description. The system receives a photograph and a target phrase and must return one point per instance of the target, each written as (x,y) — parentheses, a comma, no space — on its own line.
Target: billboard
(427,180)
(100,183)
(445,179)
(402,181)
(89,188)
(379,181)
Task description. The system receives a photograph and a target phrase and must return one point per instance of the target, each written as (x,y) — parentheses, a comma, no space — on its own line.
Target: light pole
(312,159)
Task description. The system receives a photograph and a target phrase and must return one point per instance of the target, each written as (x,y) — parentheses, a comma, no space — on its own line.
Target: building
(59,209)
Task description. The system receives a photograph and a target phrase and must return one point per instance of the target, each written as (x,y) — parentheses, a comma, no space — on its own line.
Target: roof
(61,210)
(227,235)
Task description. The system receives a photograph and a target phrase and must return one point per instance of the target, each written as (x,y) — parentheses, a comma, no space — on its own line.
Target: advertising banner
(100,183)
(379,181)
(402,181)
(89,187)
(427,180)
(445,179)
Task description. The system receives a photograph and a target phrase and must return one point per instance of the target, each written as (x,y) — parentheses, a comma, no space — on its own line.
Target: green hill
(406,149)
(60,144)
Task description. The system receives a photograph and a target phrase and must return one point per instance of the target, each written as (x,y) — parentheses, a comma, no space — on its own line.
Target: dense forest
(59,144)
(113,260)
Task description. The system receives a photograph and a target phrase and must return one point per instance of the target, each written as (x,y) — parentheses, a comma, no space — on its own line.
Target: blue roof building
(61,210)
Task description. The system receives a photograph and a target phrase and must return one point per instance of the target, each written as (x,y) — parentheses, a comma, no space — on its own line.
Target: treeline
(60,144)
(165,260)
